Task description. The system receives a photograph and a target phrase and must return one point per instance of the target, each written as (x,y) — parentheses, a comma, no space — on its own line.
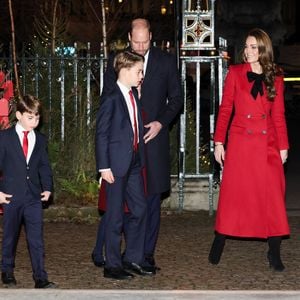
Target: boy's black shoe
(44,284)
(8,278)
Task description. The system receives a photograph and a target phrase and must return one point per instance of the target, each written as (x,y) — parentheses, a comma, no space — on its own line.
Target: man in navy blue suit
(119,159)
(161,100)
(25,183)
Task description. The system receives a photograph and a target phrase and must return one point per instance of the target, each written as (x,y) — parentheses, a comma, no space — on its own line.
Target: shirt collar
(146,57)
(147,54)
(124,89)
(20,128)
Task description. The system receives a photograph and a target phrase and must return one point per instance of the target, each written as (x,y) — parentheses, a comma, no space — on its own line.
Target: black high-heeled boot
(274,254)
(217,249)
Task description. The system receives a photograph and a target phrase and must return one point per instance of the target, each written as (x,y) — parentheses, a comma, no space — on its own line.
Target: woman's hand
(219,153)
(284,156)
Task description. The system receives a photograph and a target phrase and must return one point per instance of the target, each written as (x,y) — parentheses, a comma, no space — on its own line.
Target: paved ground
(181,253)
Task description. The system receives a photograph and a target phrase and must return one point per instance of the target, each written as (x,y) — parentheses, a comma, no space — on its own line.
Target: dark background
(83,20)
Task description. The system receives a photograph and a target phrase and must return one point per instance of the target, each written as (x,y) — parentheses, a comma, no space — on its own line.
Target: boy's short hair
(29,104)
(126,59)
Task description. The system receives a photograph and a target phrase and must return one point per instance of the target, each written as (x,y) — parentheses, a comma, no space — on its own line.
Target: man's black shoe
(117,273)
(8,278)
(44,284)
(151,261)
(138,269)
(149,268)
(98,263)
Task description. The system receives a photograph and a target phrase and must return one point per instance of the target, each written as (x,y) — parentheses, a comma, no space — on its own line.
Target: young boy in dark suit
(120,158)
(25,183)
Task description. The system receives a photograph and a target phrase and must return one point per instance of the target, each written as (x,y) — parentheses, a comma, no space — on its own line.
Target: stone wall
(195,195)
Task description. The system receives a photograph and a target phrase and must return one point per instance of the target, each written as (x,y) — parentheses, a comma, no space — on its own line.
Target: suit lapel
(124,104)
(36,147)
(16,143)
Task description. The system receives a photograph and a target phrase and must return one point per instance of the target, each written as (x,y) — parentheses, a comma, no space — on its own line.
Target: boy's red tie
(135,137)
(25,143)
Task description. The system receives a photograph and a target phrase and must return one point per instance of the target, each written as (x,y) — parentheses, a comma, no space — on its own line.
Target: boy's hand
(45,195)
(3,198)
(108,176)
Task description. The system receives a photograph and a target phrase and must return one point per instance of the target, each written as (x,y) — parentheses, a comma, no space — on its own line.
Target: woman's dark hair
(266,60)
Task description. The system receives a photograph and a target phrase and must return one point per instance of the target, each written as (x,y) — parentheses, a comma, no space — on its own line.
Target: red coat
(252,192)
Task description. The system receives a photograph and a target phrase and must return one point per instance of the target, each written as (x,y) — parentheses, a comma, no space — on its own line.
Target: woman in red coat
(252,192)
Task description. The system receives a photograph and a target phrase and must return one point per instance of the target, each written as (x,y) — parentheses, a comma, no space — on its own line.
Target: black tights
(217,248)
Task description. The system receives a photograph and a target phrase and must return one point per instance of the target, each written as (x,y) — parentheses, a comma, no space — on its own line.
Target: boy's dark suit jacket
(17,176)
(114,134)
(161,101)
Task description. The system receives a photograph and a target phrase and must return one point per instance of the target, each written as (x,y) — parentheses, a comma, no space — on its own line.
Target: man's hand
(154,129)
(108,176)
(3,198)
(45,195)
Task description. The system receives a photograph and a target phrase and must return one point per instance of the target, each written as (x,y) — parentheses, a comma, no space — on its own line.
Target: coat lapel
(139,107)
(151,66)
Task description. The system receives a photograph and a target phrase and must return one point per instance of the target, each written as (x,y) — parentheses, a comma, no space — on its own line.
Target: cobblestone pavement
(181,253)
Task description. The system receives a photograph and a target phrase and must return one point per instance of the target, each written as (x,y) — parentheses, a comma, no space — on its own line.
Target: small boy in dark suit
(25,183)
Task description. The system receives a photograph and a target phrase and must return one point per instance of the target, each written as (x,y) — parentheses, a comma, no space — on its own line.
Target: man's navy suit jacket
(114,134)
(17,176)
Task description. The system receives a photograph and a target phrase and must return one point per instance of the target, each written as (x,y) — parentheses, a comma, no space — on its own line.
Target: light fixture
(163,10)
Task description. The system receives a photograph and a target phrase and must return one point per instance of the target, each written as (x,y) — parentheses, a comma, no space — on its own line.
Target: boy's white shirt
(31,139)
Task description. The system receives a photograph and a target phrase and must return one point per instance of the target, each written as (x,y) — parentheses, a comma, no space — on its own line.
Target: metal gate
(203,68)
(68,83)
